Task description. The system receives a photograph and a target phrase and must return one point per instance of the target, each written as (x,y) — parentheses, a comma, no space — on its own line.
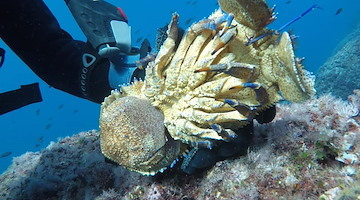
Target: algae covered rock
(339,75)
(309,150)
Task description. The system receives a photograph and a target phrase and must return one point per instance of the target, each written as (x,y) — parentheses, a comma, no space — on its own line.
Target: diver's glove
(123,70)
(200,159)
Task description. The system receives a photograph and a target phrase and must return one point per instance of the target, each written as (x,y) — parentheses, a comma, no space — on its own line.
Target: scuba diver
(89,70)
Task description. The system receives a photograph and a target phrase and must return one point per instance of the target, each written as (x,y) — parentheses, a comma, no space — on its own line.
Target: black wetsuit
(32,32)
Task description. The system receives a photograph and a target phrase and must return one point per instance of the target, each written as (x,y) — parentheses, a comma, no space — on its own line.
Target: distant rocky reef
(309,151)
(340,74)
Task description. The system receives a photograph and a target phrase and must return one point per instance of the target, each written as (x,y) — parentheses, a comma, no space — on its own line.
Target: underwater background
(31,128)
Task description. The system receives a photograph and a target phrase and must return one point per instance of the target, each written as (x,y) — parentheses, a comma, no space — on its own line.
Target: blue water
(61,114)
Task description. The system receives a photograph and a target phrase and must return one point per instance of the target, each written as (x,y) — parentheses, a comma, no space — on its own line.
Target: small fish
(139,39)
(5,154)
(47,126)
(339,11)
(37,145)
(287,2)
(40,139)
(60,106)
(37,112)
(188,21)
(137,31)
(75,111)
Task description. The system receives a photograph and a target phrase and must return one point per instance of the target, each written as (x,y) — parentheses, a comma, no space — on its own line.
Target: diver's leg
(15,99)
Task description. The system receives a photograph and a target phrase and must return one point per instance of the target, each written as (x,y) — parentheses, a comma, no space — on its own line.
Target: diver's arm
(32,32)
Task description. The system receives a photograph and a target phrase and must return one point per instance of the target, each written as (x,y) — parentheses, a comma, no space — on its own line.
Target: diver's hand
(199,159)
(122,70)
